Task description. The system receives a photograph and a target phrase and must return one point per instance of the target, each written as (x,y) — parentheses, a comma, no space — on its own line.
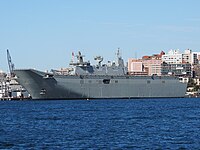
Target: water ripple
(107,124)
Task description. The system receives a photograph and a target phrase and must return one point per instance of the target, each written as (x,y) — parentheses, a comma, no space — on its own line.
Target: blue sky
(42,34)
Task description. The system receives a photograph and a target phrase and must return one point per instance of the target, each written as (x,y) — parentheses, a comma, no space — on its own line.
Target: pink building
(148,65)
(136,67)
(153,65)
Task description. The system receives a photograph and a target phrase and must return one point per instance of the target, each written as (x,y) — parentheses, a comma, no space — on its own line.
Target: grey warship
(107,81)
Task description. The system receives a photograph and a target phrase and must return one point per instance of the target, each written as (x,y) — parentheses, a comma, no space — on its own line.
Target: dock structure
(4,88)
(10,89)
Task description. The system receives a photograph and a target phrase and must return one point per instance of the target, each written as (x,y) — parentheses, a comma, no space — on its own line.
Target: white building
(173,57)
(195,58)
(191,57)
(187,57)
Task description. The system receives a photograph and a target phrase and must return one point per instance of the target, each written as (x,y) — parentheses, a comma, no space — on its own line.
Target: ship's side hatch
(106,81)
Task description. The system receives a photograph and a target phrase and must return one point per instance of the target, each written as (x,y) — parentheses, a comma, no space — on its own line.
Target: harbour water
(100,124)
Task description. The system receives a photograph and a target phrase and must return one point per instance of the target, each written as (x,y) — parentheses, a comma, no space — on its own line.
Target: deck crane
(10,64)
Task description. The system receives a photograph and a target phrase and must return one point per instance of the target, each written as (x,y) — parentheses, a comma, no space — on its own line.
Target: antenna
(118,53)
(10,64)
(72,60)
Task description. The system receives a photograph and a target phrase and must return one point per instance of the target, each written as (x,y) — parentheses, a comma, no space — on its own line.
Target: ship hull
(41,86)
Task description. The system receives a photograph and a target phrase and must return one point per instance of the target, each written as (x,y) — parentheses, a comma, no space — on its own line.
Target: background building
(148,65)
(178,64)
(153,65)
(172,63)
(176,69)
(195,58)
(173,57)
(187,56)
(136,67)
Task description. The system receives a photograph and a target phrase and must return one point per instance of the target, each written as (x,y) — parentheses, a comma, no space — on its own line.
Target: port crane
(10,64)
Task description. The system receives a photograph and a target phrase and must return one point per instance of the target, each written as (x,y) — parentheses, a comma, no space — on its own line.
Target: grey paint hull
(97,87)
